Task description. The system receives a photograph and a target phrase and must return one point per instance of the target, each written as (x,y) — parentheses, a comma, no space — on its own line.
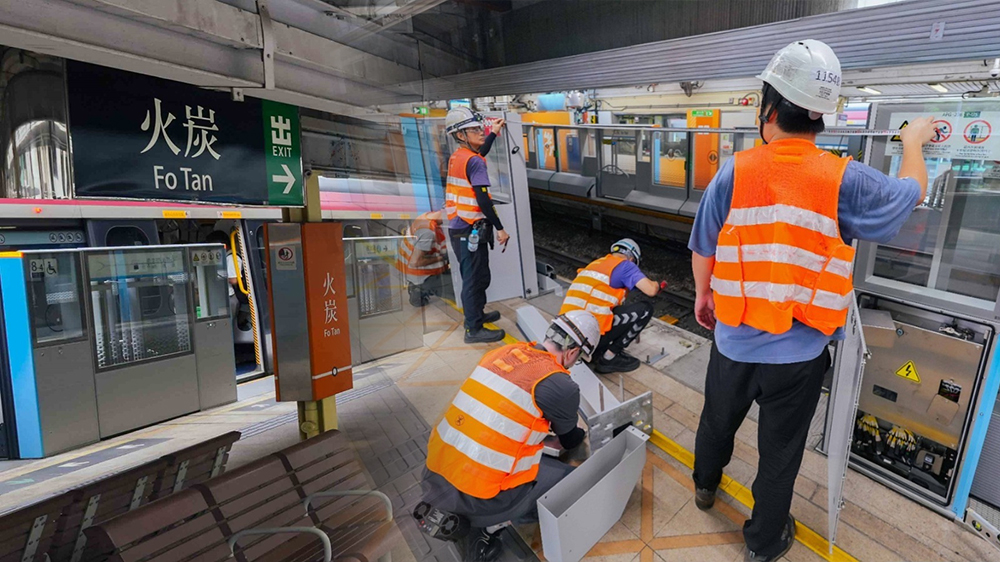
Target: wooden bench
(304,504)
(99,501)
(195,464)
(60,535)
(26,534)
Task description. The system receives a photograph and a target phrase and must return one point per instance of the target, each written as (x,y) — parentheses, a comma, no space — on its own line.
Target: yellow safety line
(811,539)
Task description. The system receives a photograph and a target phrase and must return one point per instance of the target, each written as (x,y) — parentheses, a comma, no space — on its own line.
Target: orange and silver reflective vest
(459,198)
(780,254)
(417,274)
(490,439)
(591,291)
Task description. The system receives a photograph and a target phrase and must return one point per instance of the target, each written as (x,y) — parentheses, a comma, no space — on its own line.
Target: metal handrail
(327,547)
(333,494)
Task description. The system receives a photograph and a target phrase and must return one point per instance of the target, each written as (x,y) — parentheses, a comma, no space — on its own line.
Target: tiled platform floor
(396,400)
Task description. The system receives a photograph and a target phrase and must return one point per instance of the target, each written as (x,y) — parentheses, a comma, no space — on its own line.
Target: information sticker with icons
(204,258)
(40,267)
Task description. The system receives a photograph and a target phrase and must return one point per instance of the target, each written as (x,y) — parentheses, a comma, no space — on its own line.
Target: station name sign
(139,137)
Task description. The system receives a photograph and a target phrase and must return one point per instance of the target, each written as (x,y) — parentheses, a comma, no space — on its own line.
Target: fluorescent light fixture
(938,88)
(868,90)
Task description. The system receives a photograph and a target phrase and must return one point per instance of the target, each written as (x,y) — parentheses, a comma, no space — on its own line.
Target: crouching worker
(601,288)
(484,460)
(423,258)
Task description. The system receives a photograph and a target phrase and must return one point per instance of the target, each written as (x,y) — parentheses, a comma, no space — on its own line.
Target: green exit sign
(703,113)
(421,110)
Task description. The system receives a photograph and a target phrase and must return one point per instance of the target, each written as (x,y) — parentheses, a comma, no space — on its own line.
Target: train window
(122,285)
(55,297)
(569,150)
(211,282)
(545,148)
(951,242)
(670,159)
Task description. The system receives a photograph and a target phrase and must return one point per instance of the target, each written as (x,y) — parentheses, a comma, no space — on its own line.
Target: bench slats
(100,501)
(30,529)
(178,528)
(195,464)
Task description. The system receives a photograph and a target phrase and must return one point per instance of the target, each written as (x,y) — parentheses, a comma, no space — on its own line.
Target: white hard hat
(581,326)
(807,74)
(462,118)
(629,247)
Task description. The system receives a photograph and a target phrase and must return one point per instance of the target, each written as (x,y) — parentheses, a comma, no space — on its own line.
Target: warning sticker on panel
(909,372)
(970,135)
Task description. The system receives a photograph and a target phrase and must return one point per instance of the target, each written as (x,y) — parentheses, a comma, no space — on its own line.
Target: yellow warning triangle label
(896,138)
(909,371)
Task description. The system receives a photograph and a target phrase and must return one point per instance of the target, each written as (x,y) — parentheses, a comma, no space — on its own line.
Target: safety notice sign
(908,371)
(971,135)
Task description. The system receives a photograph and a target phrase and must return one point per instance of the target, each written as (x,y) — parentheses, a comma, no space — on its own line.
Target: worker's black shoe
(621,363)
(787,540)
(486,547)
(704,499)
(484,335)
(491,316)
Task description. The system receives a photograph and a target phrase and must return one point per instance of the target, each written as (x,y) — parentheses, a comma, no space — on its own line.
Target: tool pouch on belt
(485,229)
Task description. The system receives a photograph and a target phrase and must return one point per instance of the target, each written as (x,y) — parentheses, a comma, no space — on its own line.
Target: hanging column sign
(139,137)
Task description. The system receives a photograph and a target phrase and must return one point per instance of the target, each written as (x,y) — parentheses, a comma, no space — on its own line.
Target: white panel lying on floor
(583,507)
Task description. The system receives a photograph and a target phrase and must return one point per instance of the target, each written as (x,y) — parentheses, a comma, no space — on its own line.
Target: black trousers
(787,395)
(475,270)
(630,319)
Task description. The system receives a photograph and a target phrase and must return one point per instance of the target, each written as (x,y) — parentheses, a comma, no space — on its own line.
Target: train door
(255,257)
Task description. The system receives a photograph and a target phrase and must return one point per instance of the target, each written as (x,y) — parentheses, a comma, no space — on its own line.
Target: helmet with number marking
(628,247)
(807,74)
(580,326)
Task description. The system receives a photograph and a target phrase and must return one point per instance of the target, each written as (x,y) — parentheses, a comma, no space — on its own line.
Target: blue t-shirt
(872,206)
(478,177)
(625,275)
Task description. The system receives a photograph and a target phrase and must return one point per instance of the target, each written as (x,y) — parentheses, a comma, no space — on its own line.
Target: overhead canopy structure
(861,39)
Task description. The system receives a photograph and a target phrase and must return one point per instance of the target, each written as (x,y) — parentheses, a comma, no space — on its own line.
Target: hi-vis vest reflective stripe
(421,272)
(490,439)
(780,254)
(591,291)
(460,199)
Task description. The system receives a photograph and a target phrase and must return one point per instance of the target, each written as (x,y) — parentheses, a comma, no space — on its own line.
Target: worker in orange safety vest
(484,459)
(601,288)
(772,265)
(423,259)
(472,217)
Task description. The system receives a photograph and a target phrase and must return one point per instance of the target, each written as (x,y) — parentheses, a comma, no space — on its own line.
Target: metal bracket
(220,459)
(140,487)
(34,537)
(182,470)
(88,520)
(238,94)
(267,34)
(637,412)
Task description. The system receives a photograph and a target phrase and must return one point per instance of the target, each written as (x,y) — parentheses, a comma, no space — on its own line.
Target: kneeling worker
(424,259)
(484,459)
(600,288)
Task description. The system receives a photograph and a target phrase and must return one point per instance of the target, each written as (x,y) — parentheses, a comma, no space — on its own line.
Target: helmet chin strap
(764,118)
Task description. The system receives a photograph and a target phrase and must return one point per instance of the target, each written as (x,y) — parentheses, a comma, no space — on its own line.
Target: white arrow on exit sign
(288,179)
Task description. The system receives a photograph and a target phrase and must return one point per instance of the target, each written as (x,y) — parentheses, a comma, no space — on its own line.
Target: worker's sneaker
(704,499)
(484,335)
(491,316)
(787,540)
(621,363)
